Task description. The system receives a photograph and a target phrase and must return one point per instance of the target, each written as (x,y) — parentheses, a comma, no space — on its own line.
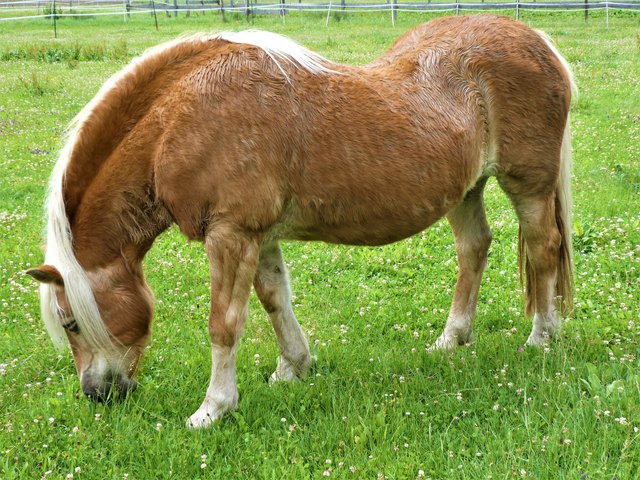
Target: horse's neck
(118,217)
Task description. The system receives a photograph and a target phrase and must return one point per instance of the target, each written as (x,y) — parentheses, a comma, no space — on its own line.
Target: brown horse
(247,139)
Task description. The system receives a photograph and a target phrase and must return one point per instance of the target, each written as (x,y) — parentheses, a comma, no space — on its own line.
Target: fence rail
(30,9)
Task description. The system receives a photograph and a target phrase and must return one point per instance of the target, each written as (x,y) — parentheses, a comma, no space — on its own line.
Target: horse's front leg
(233,258)
(272,287)
(472,237)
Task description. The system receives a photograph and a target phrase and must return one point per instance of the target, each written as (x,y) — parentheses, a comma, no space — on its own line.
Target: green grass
(376,404)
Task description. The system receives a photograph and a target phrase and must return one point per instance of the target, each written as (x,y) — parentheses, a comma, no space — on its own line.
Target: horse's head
(107,323)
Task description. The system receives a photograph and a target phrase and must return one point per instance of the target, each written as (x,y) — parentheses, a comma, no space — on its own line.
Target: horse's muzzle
(111,387)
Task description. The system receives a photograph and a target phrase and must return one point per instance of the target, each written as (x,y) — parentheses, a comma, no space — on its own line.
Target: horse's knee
(268,299)
(271,285)
(222,333)
(482,242)
(474,250)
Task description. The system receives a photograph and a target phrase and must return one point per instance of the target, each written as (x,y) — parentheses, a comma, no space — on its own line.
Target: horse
(247,139)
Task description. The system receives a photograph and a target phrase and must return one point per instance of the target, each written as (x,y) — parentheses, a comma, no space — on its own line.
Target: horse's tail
(564,282)
(563,205)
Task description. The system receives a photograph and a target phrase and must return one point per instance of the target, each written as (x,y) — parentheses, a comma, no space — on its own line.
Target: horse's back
(365,155)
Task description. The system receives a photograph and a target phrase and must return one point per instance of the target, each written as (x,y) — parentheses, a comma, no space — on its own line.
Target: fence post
(175,8)
(222,17)
(55,18)
(282,9)
(586,10)
(517,9)
(155,16)
(394,12)
(457,7)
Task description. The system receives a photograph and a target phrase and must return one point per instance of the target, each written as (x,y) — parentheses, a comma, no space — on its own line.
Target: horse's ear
(46,274)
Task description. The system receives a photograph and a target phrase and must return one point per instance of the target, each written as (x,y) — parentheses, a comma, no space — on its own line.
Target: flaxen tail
(564,281)
(563,205)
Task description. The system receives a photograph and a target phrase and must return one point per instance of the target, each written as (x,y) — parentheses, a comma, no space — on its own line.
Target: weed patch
(73,53)
(35,84)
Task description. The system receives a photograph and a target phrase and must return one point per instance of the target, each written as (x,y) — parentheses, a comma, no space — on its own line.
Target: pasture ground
(376,404)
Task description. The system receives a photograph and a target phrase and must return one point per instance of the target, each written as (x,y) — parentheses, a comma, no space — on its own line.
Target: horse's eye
(71,325)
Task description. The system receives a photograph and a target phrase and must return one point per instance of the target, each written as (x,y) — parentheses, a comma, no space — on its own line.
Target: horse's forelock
(51,320)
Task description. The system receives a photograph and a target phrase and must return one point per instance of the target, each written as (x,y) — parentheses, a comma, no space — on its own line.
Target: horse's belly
(358,223)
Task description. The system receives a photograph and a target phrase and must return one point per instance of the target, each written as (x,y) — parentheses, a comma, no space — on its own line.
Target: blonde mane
(278,47)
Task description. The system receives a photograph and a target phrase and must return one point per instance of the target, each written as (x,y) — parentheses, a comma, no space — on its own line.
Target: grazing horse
(246,139)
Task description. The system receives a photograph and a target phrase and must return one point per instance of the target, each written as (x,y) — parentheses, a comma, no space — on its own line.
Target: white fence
(31,9)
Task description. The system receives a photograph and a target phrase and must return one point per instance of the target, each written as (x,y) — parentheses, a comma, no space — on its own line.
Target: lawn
(375,404)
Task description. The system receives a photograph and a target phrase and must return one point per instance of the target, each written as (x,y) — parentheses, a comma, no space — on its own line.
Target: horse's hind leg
(472,237)
(233,258)
(272,287)
(542,243)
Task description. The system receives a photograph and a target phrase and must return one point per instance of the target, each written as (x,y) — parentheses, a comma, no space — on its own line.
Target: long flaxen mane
(93,135)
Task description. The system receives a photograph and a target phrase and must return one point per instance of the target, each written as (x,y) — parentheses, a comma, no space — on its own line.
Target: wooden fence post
(55,19)
(586,10)
(155,16)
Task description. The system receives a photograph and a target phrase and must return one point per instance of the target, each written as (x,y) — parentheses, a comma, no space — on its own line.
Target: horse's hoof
(444,343)
(447,343)
(538,339)
(198,420)
(210,411)
(288,371)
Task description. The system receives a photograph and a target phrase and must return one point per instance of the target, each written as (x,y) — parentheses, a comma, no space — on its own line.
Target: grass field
(376,404)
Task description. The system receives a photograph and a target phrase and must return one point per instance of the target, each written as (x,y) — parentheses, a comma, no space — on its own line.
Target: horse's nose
(111,387)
